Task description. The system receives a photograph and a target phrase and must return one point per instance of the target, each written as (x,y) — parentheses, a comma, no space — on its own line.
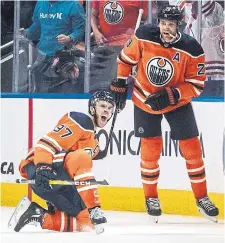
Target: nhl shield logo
(113,12)
(159,71)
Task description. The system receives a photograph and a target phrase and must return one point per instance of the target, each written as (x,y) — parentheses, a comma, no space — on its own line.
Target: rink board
(178,202)
(121,168)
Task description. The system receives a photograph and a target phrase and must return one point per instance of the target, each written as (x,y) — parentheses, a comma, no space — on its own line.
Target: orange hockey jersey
(74,131)
(117,18)
(181,65)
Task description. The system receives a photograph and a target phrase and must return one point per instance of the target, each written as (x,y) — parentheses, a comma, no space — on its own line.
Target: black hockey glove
(119,91)
(44,173)
(162,99)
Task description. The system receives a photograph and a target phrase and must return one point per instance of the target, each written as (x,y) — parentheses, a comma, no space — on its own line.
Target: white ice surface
(124,227)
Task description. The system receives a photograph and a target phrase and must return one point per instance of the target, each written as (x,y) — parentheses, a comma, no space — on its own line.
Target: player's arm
(66,133)
(77,16)
(34,31)
(99,37)
(129,56)
(194,76)
(127,59)
(94,17)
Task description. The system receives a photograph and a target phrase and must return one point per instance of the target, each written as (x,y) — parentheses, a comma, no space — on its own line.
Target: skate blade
(99,229)
(211,218)
(154,219)
(20,209)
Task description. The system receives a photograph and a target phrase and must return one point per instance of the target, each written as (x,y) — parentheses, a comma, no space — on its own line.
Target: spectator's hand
(63,39)
(21,33)
(129,32)
(100,38)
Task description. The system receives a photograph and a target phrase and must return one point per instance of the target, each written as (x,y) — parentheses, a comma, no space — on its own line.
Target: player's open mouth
(103,118)
(167,34)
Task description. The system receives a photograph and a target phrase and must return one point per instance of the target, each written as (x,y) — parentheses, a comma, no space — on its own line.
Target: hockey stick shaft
(112,127)
(51,182)
(141,11)
(61,182)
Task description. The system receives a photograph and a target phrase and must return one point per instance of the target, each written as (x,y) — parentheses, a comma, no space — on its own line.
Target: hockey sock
(150,154)
(197,177)
(79,166)
(191,149)
(60,221)
(89,195)
(149,177)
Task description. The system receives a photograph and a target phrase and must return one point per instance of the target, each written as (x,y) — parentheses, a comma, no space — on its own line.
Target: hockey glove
(44,173)
(119,91)
(162,99)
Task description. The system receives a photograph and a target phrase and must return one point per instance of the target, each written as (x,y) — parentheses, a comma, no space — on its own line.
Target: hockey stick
(102,154)
(111,129)
(141,11)
(62,182)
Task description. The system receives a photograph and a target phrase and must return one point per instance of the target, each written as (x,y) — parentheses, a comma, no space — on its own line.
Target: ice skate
(25,213)
(207,209)
(153,208)
(97,219)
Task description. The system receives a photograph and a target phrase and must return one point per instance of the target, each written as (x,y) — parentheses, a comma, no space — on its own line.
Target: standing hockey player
(66,153)
(171,71)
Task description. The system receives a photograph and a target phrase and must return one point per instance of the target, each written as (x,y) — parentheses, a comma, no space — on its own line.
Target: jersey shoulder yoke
(83,120)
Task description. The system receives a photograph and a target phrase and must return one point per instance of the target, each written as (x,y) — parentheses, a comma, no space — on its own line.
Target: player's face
(104,111)
(168,30)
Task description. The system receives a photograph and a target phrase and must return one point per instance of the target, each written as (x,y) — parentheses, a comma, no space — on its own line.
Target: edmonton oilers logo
(159,71)
(113,12)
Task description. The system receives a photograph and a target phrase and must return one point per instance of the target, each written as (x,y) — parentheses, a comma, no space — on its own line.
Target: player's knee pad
(191,150)
(151,149)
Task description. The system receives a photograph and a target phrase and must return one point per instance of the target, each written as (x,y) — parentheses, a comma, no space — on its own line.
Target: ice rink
(124,227)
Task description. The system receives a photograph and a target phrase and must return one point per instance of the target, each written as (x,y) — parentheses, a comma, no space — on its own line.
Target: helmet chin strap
(95,118)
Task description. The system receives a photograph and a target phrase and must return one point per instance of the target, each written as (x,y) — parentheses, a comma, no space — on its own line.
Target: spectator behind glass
(113,22)
(56,24)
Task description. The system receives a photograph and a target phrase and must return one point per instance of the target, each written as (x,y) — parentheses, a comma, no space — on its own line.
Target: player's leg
(148,128)
(28,212)
(184,128)
(79,167)
(68,206)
